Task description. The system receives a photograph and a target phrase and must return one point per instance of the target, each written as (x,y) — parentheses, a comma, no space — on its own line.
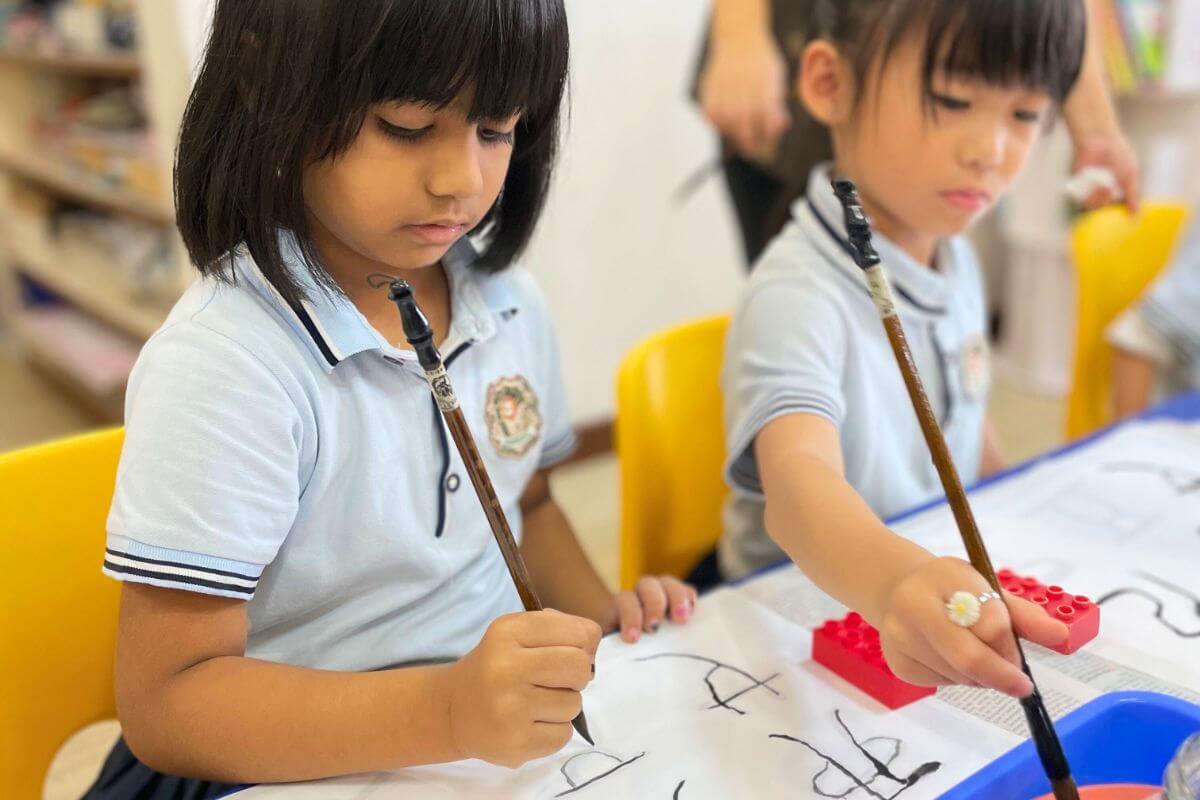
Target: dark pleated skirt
(125,778)
(706,575)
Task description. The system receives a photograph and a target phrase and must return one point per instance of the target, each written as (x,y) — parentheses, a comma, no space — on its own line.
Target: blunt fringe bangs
(285,83)
(1034,44)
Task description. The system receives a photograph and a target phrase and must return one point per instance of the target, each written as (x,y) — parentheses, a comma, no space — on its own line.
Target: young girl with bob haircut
(311,587)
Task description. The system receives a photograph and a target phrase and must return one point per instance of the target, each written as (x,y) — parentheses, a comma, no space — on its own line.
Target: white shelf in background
(80,187)
(87,359)
(89,283)
(100,65)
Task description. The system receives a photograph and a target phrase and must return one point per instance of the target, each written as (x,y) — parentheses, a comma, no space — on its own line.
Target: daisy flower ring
(964,609)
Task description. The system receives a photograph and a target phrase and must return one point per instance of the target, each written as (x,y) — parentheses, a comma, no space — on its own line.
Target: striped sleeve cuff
(741,467)
(130,560)
(1183,335)
(1131,333)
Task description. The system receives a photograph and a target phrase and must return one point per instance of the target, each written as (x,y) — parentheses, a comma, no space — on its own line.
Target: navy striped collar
(925,290)
(335,330)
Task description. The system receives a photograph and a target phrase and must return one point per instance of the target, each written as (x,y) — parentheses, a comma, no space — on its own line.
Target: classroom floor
(34,411)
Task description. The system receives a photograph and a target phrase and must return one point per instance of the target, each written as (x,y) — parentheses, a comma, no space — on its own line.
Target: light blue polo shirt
(806,339)
(289,456)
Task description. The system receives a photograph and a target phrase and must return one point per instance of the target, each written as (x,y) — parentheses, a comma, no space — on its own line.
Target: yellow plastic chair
(59,612)
(670,442)
(1117,256)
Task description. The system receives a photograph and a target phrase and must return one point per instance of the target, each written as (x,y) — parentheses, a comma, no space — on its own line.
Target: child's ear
(825,84)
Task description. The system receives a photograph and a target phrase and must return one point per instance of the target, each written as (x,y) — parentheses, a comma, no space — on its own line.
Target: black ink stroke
(717,666)
(882,768)
(678,789)
(1157,602)
(1181,482)
(576,787)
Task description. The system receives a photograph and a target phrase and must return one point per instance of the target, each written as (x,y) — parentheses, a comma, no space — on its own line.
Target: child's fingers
(906,649)
(926,656)
(629,616)
(680,598)
(995,630)
(967,654)
(914,672)
(550,628)
(1034,624)
(554,705)
(558,668)
(653,596)
(549,738)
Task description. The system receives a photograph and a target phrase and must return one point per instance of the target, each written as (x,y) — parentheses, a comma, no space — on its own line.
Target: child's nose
(455,171)
(984,148)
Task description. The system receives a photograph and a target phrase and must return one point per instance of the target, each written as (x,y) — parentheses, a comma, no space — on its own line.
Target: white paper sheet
(656,714)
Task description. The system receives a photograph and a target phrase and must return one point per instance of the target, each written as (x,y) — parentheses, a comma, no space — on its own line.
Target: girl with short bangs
(310,586)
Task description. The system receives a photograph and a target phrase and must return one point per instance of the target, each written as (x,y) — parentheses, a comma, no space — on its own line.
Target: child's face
(414,181)
(922,177)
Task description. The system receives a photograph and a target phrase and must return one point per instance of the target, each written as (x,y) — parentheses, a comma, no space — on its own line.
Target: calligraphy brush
(858,227)
(420,336)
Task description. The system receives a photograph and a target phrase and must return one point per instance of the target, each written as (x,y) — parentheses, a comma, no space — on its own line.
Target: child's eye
(399,133)
(950,103)
(1033,117)
(492,136)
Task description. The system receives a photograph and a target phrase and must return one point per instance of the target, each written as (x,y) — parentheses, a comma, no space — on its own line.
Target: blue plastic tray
(1125,737)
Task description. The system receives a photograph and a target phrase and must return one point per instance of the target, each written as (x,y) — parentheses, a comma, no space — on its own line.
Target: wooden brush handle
(465,442)
(1045,738)
(956,495)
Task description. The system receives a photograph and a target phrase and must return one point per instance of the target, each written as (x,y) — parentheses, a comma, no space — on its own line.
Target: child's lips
(439,233)
(970,200)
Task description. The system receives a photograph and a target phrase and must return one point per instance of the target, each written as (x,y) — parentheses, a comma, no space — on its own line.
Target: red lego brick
(850,647)
(1081,614)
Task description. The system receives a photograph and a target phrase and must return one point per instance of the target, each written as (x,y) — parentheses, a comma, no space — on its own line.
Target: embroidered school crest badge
(976,368)
(513,420)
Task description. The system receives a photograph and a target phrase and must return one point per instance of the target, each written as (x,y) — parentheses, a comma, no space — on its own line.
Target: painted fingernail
(681,612)
(634,634)
(654,626)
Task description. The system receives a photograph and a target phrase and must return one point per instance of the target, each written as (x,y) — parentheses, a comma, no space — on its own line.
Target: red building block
(850,647)
(1081,614)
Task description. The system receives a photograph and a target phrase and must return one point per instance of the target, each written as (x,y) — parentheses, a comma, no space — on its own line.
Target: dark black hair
(1037,44)
(285,83)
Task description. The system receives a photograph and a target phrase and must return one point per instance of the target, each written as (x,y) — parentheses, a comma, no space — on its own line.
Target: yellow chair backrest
(1117,256)
(670,442)
(59,612)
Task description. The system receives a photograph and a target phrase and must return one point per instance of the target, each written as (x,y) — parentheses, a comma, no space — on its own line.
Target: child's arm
(832,534)
(992,459)
(191,703)
(1134,377)
(566,580)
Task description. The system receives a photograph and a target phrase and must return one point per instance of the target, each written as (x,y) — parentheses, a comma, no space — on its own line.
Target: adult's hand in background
(744,90)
